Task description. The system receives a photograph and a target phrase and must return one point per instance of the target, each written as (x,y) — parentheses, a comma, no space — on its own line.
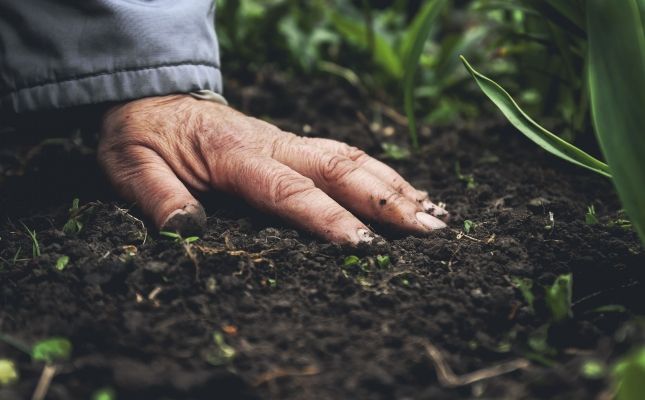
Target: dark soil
(141,316)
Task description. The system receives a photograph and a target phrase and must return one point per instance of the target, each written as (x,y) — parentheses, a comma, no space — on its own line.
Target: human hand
(156,150)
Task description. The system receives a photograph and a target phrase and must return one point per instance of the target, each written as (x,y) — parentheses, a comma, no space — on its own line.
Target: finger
(277,189)
(354,187)
(382,171)
(142,176)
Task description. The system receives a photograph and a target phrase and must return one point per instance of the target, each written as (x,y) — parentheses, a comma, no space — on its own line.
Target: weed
(468,179)
(558,298)
(35,246)
(590,216)
(222,353)
(8,372)
(61,262)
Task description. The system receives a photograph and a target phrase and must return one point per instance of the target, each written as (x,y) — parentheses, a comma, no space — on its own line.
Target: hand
(155,151)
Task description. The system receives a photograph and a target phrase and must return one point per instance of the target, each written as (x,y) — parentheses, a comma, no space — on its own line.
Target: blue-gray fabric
(63,53)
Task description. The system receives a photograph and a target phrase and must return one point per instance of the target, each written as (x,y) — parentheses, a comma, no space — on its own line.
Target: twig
(448,378)
(281,373)
(43,383)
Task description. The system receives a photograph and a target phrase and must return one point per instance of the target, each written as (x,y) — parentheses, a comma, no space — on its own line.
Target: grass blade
(531,129)
(413,45)
(617,86)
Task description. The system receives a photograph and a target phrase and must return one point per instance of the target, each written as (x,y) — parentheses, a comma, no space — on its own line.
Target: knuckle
(286,187)
(337,167)
(333,216)
(355,154)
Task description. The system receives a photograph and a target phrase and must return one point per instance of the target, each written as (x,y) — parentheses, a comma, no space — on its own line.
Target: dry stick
(43,383)
(448,378)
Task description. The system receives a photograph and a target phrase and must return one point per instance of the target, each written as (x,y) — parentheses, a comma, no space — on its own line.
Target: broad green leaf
(51,350)
(356,33)
(617,86)
(628,376)
(531,129)
(412,47)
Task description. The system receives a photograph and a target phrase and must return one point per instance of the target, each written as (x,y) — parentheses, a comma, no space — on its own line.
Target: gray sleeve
(64,53)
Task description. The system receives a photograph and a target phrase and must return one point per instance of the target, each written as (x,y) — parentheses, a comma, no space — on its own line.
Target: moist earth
(143,311)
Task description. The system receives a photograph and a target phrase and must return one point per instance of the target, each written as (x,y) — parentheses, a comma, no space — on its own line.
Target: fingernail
(429,221)
(189,220)
(433,209)
(365,236)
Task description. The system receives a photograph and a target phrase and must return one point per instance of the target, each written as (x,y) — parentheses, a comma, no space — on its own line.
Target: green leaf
(62,262)
(525,286)
(628,376)
(617,86)
(592,369)
(8,372)
(542,137)
(51,350)
(104,394)
(351,260)
(468,226)
(413,47)
(558,298)
(383,261)
(191,239)
(222,353)
(171,235)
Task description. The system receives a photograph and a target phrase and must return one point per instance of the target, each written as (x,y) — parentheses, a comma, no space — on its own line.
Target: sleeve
(63,53)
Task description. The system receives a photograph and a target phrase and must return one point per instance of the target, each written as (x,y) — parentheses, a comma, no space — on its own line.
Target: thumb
(142,176)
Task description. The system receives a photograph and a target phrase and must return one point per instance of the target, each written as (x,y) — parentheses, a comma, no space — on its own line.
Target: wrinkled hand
(155,151)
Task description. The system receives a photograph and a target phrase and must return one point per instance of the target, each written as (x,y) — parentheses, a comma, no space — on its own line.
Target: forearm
(58,54)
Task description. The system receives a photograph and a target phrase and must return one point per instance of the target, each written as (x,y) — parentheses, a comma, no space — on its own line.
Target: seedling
(395,152)
(468,226)
(222,354)
(590,216)
(468,179)
(73,224)
(383,261)
(178,238)
(558,298)
(62,262)
(104,394)
(550,224)
(51,350)
(628,376)
(593,369)
(525,287)
(8,372)
(351,260)
(35,246)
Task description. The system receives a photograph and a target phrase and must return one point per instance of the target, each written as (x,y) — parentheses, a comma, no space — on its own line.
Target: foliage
(104,394)
(525,287)
(178,238)
(35,245)
(221,353)
(590,216)
(8,372)
(628,376)
(61,262)
(73,224)
(51,350)
(558,298)
(468,226)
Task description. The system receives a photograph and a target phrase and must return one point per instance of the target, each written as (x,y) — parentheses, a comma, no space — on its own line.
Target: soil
(141,311)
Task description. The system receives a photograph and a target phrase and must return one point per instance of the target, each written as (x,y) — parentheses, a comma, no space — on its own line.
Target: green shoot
(351,260)
(383,261)
(590,216)
(35,246)
(272,282)
(178,238)
(51,350)
(8,372)
(593,369)
(62,262)
(525,286)
(628,376)
(104,394)
(395,152)
(558,298)
(73,224)
(468,226)
(222,353)
(468,179)
(550,222)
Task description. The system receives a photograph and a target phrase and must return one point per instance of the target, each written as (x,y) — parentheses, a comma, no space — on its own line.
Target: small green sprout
(73,224)
(628,376)
(351,260)
(551,222)
(222,354)
(558,298)
(35,246)
(8,372)
(525,286)
(468,226)
(272,282)
(51,350)
(178,238)
(468,179)
(61,262)
(590,216)
(593,369)
(383,261)
(395,152)
(106,393)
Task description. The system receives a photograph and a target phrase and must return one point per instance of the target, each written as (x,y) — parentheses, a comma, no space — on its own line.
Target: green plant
(468,179)
(178,238)
(525,286)
(106,393)
(558,298)
(593,369)
(8,372)
(61,262)
(221,353)
(383,261)
(628,376)
(616,89)
(73,224)
(35,246)
(468,226)
(51,350)
(590,216)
